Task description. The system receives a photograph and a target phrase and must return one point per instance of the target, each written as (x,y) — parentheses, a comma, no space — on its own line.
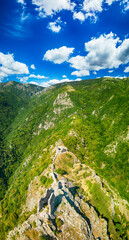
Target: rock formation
(63,214)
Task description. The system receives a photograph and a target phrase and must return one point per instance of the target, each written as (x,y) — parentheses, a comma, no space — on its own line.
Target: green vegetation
(59,223)
(100,200)
(61,171)
(46,181)
(99,120)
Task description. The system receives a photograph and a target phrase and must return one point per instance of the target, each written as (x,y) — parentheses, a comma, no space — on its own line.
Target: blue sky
(51,41)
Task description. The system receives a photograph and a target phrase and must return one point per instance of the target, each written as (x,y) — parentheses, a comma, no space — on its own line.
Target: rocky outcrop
(63,214)
(49,122)
(44,201)
(62,102)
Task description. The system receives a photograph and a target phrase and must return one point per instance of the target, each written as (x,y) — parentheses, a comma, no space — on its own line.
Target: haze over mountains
(64,160)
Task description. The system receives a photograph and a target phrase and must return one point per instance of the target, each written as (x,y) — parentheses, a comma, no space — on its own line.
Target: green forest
(31,120)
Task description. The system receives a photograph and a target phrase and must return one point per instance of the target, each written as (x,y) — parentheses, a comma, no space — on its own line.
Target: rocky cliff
(62,213)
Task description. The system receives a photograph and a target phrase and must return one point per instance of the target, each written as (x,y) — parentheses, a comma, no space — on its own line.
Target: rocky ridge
(62,213)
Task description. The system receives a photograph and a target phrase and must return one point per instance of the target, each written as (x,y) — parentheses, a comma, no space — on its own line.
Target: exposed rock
(72,133)
(33,194)
(48,125)
(62,102)
(27,161)
(78,219)
(64,210)
(97,178)
(44,201)
(111,149)
(63,99)
(70,88)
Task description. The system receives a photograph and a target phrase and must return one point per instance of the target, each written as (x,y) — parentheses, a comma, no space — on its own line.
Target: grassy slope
(99,118)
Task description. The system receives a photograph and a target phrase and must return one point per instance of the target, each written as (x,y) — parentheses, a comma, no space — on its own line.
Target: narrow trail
(59,150)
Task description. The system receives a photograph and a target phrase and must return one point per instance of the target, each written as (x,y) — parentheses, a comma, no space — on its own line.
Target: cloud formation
(21,1)
(50,7)
(79,15)
(32,66)
(8,66)
(81,73)
(86,8)
(91,8)
(56,81)
(58,55)
(55,26)
(34,83)
(24,79)
(37,76)
(126,69)
(126,4)
(104,52)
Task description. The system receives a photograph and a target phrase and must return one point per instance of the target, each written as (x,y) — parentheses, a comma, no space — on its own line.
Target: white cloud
(50,7)
(24,16)
(126,69)
(104,52)
(33,83)
(92,5)
(109,2)
(123,51)
(32,66)
(82,11)
(91,8)
(80,73)
(58,55)
(93,17)
(21,1)
(10,67)
(110,71)
(37,76)
(56,81)
(79,15)
(55,26)
(3,75)
(95,72)
(126,4)
(64,76)
(24,79)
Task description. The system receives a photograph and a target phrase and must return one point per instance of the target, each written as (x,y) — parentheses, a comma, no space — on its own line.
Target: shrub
(46,181)
(61,171)
(59,222)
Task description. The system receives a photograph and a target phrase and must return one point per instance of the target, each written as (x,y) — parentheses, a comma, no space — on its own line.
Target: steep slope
(14,101)
(13,96)
(91,119)
(67,215)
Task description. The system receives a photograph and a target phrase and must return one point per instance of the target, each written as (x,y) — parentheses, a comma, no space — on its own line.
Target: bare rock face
(44,201)
(63,214)
(62,102)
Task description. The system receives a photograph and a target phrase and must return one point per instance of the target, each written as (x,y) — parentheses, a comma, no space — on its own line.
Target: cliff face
(62,213)
(65,219)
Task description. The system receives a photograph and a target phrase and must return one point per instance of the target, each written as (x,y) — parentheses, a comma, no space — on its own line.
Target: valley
(64,160)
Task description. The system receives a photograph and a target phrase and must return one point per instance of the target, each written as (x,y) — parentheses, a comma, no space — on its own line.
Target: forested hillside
(91,119)
(14,100)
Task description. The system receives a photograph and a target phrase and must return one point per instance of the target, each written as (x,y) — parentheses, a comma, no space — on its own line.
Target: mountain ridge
(91,119)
